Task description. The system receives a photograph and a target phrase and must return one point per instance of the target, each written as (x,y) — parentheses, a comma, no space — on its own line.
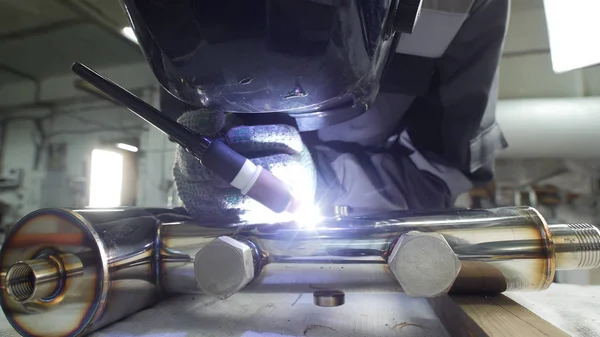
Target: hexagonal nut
(424,264)
(223,267)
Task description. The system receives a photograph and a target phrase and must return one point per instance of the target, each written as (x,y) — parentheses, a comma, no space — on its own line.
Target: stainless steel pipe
(32,280)
(111,264)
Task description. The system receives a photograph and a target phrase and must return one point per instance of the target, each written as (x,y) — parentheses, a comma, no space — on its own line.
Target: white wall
(61,87)
(526,67)
(156,165)
(78,119)
(41,188)
(19,154)
(155,158)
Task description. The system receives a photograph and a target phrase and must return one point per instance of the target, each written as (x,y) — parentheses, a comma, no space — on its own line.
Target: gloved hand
(277,148)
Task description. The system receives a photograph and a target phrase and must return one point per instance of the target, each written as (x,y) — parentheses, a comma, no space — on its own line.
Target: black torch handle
(191,141)
(215,155)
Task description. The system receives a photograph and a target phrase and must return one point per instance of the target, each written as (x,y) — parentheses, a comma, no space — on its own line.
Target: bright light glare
(307,217)
(127,147)
(106,178)
(573,27)
(128,33)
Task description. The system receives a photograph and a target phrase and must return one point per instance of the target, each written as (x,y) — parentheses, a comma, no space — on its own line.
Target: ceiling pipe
(102,21)
(40,30)
(18,73)
(36,82)
(566,128)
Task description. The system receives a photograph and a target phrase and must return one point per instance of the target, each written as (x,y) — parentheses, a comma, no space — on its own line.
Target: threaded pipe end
(577,246)
(589,242)
(20,281)
(32,280)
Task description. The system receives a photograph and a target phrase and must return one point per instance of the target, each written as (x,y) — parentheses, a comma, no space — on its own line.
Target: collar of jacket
(438,24)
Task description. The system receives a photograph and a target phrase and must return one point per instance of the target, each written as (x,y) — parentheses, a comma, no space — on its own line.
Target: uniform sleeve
(395,178)
(451,135)
(464,99)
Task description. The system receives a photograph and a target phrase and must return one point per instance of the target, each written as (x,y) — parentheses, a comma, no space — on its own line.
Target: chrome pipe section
(504,249)
(79,270)
(110,264)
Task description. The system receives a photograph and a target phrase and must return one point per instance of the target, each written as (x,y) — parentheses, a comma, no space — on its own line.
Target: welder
(357,103)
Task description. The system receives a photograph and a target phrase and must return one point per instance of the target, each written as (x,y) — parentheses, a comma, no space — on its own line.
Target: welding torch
(252,180)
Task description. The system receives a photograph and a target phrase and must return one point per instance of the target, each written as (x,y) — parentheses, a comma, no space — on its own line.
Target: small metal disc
(329,298)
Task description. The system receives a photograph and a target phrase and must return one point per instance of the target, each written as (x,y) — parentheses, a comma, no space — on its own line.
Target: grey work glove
(277,148)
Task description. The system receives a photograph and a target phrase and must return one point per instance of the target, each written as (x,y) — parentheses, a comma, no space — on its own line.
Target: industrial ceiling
(41,38)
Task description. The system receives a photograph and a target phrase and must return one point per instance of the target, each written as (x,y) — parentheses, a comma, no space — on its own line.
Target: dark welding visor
(320,60)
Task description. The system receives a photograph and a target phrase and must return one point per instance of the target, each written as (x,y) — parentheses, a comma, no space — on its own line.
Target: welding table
(574,309)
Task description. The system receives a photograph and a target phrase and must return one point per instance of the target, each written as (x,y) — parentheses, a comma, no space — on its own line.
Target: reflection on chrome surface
(88,269)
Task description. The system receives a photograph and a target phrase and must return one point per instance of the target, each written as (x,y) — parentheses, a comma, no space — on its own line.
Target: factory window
(573,27)
(106,179)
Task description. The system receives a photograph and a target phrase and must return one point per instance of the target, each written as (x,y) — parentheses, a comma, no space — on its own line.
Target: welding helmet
(319,61)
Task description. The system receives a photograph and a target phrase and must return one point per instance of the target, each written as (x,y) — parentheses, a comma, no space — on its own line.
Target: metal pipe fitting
(424,264)
(576,246)
(128,258)
(31,280)
(224,266)
(105,270)
(42,278)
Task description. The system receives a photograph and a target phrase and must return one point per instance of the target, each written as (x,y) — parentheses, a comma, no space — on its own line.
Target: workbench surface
(575,309)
